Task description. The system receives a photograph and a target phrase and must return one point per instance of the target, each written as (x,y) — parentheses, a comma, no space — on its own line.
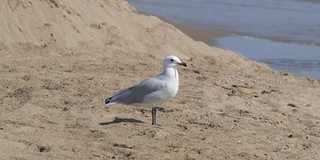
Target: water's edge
(278,55)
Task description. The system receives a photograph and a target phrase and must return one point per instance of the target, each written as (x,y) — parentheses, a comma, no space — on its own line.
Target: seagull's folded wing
(140,93)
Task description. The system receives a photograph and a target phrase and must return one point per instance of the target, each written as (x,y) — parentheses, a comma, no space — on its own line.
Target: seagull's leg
(154,114)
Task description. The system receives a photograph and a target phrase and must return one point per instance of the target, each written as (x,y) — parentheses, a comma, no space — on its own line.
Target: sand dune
(60,59)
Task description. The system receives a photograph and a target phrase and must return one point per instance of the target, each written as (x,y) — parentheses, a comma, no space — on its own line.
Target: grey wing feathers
(133,94)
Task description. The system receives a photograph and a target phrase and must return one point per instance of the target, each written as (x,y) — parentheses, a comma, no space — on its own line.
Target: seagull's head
(172,62)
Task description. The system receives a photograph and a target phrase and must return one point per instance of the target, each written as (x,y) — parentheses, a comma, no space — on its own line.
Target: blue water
(295,22)
(301,60)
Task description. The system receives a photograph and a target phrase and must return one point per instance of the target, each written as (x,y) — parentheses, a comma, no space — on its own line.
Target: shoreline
(209,36)
(214,38)
(198,34)
(279,29)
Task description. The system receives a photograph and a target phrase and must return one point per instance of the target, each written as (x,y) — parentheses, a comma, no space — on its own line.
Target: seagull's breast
(172,87)
(172,82)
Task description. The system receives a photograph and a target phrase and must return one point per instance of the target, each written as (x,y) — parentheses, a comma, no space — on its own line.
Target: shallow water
(302,60)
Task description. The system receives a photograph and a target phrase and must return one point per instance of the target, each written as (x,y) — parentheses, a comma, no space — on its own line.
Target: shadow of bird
(120,120)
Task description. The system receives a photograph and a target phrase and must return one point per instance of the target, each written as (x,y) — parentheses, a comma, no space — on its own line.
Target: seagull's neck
(171,73)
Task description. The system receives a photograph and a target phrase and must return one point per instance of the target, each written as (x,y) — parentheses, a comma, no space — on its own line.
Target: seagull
(153,91)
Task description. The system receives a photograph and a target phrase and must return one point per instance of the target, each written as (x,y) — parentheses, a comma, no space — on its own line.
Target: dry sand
(60,59)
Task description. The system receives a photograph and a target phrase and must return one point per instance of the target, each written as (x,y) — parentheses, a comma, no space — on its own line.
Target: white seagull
(154,91)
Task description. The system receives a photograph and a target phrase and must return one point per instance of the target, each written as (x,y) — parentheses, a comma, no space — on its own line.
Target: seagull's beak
(183,64)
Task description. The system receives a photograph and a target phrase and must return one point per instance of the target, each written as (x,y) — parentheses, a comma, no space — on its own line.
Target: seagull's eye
(171,60)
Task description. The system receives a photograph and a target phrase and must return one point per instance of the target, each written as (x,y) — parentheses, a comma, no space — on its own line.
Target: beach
(61,59)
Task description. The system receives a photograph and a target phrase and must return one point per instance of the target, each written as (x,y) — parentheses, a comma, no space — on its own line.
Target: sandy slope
(60,59)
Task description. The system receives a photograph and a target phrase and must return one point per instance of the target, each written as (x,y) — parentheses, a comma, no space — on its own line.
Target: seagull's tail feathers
(118,97)
(109,102)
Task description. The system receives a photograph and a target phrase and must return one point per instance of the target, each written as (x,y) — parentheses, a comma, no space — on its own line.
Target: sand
(60,59)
